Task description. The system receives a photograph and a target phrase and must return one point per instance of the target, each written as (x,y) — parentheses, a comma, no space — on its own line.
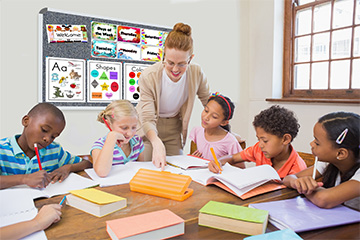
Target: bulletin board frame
(73,58)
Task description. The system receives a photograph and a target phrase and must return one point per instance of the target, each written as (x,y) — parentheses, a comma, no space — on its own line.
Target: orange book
(162,184)
(153,225)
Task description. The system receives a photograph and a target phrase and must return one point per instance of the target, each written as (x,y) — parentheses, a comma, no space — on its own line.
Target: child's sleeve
(248,154)
(192,135)
(67,158)
(97,145)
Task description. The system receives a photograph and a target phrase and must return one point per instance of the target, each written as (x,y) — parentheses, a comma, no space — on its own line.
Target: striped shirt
(119,157)
(14,161)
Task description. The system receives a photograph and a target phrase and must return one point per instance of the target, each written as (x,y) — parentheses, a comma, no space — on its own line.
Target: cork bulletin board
(87,61)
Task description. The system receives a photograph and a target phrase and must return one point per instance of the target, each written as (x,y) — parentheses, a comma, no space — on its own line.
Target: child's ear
(25,120)
(224,122)
(287,138)
(342,154)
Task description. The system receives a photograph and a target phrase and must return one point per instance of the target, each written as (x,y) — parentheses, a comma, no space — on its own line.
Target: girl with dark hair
(215,129)
(336,144)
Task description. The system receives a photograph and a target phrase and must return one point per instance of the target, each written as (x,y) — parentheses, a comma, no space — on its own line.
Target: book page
(17,205)
(187,161)
(72,182)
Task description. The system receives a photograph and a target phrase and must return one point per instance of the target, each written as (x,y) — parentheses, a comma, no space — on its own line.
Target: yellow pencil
(215,158)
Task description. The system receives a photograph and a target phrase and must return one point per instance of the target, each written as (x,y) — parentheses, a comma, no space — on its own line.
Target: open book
(299,214)
(17,206)
(243,183)
(187,162)
(72,182)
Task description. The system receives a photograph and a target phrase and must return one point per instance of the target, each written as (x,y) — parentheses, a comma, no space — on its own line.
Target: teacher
(167,95)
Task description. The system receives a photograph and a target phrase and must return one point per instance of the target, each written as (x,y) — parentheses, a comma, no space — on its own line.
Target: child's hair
(335,125)
(180,38)
(226,104)
(277,121)
(117,109)
(43,108)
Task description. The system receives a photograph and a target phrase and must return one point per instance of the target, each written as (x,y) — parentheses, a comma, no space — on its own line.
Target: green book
(233,218)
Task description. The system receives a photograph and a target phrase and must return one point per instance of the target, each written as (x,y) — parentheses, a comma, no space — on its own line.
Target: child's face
(271,145)
(321,146)
(126,126)
(41,129)
(212,116)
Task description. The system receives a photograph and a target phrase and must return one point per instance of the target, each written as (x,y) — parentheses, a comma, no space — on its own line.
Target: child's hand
(38,179)
(197,153)
(213,167)
(47,215)
(305,185)
(117,137)
(60,174)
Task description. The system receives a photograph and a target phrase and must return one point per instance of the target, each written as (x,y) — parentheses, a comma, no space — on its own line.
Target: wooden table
(76,224)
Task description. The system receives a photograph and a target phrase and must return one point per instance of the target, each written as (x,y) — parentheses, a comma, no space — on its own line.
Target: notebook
(72,182)
(299,214)
(17,205)
(240,181)
(95,202)
(286,234)
(187,162)
(153,225)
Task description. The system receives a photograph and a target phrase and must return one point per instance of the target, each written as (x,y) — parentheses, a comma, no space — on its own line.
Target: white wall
(235,43)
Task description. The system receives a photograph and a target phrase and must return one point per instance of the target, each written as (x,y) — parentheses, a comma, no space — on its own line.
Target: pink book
(153,225)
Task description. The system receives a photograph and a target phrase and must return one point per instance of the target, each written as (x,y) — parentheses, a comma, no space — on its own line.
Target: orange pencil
(215,158)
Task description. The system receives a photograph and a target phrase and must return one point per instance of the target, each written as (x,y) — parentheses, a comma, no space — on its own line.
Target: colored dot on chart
(131,88)
(132,74)
(136,96)
(132,81)
(138,74)
(138,89)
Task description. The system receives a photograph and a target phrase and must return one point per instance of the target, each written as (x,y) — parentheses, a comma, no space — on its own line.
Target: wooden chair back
(308,158)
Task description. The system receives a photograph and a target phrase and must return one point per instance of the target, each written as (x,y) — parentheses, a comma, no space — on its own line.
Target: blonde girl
(121,144)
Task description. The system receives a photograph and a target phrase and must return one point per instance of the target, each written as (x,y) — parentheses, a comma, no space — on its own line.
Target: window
(322,50)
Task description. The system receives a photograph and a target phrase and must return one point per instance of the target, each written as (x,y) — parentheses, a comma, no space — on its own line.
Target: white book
(187,162)
(72,182)
(16,206)
(238,180)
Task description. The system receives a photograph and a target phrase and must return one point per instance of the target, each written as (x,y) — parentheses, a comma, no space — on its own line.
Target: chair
(308,158)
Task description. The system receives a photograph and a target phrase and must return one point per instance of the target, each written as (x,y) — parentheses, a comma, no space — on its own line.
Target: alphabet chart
(104,81)
(132,74)
(65,79)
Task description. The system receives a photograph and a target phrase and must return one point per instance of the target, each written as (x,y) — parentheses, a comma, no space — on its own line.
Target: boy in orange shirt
(275,129)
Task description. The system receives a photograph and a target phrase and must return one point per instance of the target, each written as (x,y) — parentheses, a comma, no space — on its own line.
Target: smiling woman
(167,95)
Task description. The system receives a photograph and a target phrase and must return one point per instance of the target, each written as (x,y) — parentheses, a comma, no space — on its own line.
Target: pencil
(108,126)
(37,155)
(314,170)
(62,201)
(215,158)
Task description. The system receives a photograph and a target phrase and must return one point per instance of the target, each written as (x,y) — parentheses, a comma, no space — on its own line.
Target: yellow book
(95,202)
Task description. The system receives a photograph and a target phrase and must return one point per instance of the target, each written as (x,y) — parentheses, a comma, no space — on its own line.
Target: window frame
(324,95)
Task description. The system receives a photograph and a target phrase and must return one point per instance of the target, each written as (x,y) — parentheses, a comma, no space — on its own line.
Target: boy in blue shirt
(18,161)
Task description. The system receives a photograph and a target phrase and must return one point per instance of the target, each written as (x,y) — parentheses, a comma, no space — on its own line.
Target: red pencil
(37,155)
(108,126)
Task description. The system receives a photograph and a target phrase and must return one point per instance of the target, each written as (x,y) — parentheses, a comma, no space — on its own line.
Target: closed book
(153,225)
(299,214)
(95,202)
(286,234)
(233,218)
(187,162)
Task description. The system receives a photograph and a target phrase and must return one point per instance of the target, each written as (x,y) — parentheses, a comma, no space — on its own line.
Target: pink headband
(219,95)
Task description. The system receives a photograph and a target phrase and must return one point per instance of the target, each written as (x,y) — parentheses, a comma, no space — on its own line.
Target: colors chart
(132,74)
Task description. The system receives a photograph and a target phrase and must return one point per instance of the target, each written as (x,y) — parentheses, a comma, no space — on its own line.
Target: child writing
(336,145)
(275,128)
(121,144)
(215,129)
(47,215)
(18,161)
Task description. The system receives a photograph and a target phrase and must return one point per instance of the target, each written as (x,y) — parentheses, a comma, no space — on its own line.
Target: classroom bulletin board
(87,61)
